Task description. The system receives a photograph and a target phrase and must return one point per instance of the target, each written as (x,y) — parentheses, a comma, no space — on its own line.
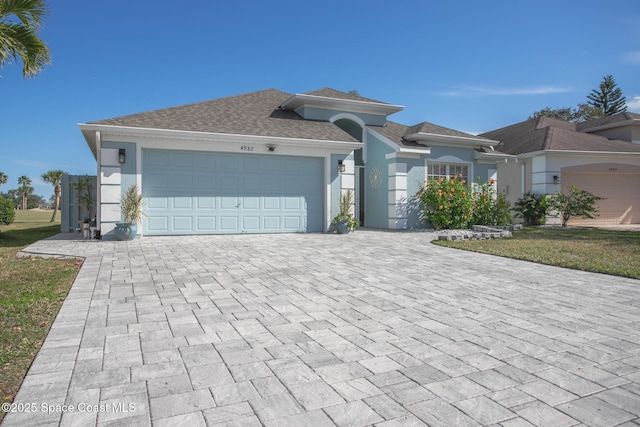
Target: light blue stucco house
(270,161)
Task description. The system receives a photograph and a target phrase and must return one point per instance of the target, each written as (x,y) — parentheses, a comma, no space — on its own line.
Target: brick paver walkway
(373,328)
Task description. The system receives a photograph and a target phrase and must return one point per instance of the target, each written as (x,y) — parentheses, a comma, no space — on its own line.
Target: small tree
(608,98)
(531,208)
(25,190)
(579,203)
(3,178)
(84,195)
(54,177)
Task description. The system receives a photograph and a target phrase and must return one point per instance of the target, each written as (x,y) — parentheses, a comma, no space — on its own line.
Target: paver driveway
(373,328)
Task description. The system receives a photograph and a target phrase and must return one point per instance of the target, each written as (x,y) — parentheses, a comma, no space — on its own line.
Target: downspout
(98,180)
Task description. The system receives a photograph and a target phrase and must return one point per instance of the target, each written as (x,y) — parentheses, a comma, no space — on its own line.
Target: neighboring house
(270,161)
(601,156)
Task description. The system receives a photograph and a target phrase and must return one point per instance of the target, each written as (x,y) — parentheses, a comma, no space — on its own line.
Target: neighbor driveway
(373,328)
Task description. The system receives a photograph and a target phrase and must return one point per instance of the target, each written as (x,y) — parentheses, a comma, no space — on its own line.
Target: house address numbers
(246,148)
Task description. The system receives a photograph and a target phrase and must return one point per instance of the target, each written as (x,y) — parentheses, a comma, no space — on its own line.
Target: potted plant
(345,222)
(131,206)
(84,197)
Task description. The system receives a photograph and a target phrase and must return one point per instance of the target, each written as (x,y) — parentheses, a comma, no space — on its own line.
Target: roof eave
(577,152)
(89,129)
(629,122)
(449,140)
(298,100)
(493,156)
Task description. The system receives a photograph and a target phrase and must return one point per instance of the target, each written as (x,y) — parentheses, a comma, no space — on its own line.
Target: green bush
(449,203)
(7,211)
(577,203)
(531,208)
(489,208)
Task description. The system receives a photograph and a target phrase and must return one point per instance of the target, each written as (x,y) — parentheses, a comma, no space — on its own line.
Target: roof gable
(545,133)
(254,113)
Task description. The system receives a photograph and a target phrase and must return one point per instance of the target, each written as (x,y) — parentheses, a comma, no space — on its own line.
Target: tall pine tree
(608,99)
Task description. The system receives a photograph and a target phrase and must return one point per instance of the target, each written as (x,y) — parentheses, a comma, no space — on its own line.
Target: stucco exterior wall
(376,198)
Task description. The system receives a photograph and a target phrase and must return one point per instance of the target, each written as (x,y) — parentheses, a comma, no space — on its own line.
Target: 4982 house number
(246,148)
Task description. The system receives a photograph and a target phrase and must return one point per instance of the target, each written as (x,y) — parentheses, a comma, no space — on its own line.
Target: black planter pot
(125,231)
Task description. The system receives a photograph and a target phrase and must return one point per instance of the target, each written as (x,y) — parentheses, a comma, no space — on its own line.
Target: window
(446,171)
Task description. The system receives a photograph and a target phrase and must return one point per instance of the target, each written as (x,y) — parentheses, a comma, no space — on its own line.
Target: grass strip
(600,251)
(32,291)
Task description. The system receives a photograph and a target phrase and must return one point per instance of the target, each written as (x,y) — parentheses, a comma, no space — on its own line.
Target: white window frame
(450,172)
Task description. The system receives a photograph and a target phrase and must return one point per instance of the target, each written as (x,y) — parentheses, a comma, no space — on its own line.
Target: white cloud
(633,105)
(480,91)
(631,58)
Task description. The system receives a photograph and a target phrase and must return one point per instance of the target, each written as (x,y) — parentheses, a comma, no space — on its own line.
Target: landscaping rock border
(479,232)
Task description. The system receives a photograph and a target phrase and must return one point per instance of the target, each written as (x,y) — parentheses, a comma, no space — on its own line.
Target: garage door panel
(621,206)
(183,160)
(157,203)
(206,203)
(183,203)
(229,203)
(251,223)
(192,192)
(206,223)
(252,203)
(272,223)
(291,203)
(205,182)
(229,183)
(157,224)
(227,162)
(183,181)
(251,184)
(157,158)
(229,223)
(182,223)
(272,203)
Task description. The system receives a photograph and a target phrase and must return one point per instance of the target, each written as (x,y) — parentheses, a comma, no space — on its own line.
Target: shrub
(577,203)
(489,209)
(447,203)
(7,211)
(531,208)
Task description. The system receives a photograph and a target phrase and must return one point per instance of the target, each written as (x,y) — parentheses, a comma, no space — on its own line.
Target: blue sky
(469,65)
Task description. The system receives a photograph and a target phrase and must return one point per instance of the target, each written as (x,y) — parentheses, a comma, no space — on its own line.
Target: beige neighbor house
(601,156)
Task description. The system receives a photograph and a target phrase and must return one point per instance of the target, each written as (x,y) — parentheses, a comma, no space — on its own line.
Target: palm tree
(20,21)
(3,178)
(25,189)
(54,178)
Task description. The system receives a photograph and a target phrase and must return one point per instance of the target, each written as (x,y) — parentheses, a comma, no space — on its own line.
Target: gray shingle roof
(327,92)
(616,118)
(545,133)
(426,127)
(257,113)
(254,113)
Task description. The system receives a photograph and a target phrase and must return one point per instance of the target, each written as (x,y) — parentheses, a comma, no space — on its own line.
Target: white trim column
(398,196)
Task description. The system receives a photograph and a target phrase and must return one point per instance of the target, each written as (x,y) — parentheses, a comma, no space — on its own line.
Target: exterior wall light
(271,148)
(122,155)
(556,179)
(341,166)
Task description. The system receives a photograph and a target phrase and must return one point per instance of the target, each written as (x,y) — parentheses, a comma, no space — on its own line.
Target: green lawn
(31,293)
(601,251)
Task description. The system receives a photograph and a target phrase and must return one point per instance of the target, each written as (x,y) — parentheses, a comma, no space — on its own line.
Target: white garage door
(622,193)
(190,192)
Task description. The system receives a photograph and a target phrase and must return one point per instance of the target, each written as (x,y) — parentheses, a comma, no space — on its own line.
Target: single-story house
(601,156)
(271,161)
